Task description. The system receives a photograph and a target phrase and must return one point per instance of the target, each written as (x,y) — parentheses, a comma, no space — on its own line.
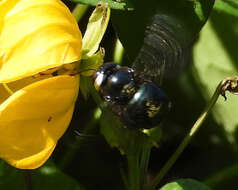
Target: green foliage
(134,144)
(215,58)
(47,177)
(212,155)
(92,63)
(127,140)
(185,184)
(121,5)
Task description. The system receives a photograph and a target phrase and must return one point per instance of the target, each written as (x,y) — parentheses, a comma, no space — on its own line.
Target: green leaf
(185,184)
(47,177)
(96,28)
(215,58)
(121,5)
(134,144)
(53,179)
(128,141)
(8,175)
(227,6)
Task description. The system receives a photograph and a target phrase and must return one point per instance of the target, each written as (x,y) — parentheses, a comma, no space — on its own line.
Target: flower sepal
(96,28)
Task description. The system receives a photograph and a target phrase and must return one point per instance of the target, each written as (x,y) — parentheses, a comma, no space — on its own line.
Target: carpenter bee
(139,102)
(132,92)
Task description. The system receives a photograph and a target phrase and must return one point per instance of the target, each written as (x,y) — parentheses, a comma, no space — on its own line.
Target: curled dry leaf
(229,84)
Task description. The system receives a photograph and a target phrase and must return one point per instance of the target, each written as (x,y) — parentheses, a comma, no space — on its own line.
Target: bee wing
(163,52)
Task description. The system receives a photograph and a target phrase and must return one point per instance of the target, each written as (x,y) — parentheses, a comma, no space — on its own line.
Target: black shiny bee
(139,103)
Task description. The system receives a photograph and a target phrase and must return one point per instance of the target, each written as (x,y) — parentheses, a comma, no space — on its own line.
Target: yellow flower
(34,118)
(35,35)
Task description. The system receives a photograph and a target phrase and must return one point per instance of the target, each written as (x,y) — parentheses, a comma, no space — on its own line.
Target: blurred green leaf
(8,175)
(122,4)
(47,177)
(53,179)
(185,184)
(215,58)
(228,6)
(79,11)
(222,176)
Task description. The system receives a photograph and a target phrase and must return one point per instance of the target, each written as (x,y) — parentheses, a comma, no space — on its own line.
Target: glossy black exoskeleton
(138,102)
(116,84)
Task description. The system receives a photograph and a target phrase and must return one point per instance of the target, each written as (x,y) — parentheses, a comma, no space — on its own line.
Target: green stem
(144,165)
(187,138)
(79,11)
(223,175)
(124,179)
(133,172)
(138,163)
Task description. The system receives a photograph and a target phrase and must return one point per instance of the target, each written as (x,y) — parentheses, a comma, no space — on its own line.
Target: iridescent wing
(164,52)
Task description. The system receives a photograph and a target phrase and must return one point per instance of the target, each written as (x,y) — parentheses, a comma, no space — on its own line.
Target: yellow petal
(34,118)
(36,36)
(17,85)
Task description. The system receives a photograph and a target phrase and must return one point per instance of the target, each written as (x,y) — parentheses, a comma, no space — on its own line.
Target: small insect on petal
(34,118)
(36,36)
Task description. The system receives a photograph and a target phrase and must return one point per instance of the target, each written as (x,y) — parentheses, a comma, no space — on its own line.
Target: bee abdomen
(147,108)
(139,103)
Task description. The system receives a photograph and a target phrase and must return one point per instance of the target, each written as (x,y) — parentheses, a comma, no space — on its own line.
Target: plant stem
(144,162)
(133,172)
(187,138)
(79,11)
(124,179)
(138,163)
(28,180)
